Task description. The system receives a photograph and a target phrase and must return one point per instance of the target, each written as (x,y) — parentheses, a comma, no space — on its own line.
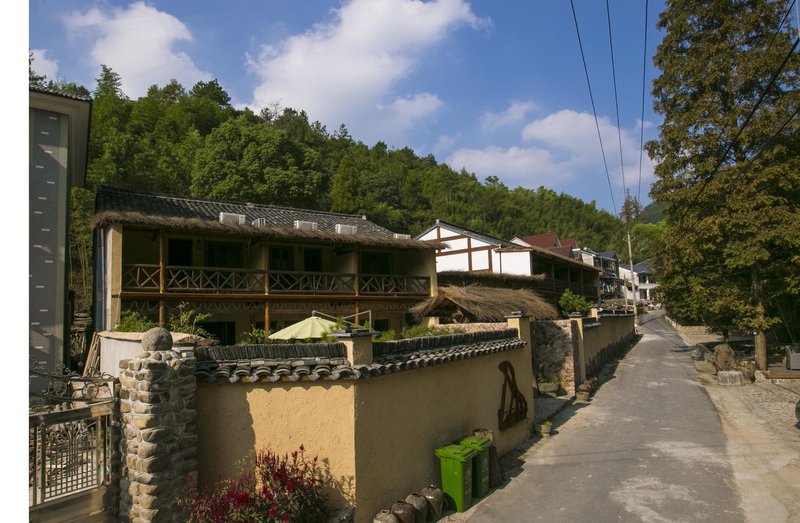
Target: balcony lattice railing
(146,277)
(204,279)
(391,284)
(311,282)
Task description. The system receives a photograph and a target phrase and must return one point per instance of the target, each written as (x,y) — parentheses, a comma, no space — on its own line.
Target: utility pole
(633,282)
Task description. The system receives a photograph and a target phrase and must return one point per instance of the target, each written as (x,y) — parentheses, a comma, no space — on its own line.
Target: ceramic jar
(420,504)
(435,501)
(384,516)
(404,511)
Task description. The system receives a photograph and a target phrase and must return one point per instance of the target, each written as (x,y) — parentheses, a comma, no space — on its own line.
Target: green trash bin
(480,463)
(456,465)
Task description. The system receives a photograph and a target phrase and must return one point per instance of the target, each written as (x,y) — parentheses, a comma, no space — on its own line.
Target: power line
(616,101)
(641,120)
(594,110)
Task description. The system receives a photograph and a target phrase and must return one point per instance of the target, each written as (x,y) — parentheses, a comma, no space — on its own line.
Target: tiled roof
(546,240)
(262,363)
(111,199)
(45,90)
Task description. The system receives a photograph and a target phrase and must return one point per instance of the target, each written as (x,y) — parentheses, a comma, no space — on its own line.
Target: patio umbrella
(313,327)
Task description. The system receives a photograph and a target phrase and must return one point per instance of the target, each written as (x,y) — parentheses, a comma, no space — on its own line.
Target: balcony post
(266,272)
(162,270)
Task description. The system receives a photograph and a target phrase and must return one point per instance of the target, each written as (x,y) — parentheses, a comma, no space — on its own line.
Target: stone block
(155,366)
(730,377)
(150,408)
(186,416)
(134,365)
(151,386)
(146,421)
(155,435)
(147,450)
(153,464)
(148,502)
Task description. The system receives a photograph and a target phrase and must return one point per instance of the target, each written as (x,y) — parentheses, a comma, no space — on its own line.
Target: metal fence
(69,451)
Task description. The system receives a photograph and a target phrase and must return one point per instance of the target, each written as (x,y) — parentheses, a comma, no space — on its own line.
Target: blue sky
(497,88)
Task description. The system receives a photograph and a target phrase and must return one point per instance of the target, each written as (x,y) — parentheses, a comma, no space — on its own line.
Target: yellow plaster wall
(611,330)
(236,419)
(402,418)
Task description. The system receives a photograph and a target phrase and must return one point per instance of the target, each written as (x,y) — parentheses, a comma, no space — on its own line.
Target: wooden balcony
(215,280)
(299,282)
(389,284)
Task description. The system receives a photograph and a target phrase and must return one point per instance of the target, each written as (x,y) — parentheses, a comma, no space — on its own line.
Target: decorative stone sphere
(157,339)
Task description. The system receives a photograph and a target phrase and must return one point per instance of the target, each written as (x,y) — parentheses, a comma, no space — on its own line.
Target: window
(312,260)
(381,325)
(376,263)
(179,252)
(281,258)
(224,254)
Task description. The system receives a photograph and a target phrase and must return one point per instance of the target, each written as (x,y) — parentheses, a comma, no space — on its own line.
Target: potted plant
(545,428)
(547,385)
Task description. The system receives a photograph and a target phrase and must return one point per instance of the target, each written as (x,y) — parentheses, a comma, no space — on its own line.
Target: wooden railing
(299,282)
(391,284)
(204,279)
(146,277)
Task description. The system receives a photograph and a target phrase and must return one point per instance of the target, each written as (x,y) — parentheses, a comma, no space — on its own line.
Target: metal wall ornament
(515,409)
(64,385)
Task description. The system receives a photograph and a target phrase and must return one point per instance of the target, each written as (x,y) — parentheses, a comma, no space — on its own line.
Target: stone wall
(159,441)
(553,351)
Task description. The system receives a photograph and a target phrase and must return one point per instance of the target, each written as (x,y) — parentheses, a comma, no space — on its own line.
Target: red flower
(273,511)
(284,517)
(241,499)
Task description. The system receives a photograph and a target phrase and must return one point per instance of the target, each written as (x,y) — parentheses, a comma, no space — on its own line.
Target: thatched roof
(476,303)
(199,225)
(489,279)
(177,213)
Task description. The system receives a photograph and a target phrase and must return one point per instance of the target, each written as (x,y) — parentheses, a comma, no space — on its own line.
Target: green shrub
(132,321)
(422,330)
(388,335)
(256,337)
(570,303)
(187,320)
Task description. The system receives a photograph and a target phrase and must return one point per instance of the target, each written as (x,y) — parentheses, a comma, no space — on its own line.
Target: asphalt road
(648,447)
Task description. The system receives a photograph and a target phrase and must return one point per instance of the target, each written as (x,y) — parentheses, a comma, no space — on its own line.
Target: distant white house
(643,278)
(471,251)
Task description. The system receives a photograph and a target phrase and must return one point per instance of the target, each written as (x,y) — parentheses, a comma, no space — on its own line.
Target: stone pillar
(358,343)
(576,321)
(159,438)
(594,312)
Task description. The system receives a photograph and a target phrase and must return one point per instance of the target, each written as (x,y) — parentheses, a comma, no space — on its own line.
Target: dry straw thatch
(475,303)
(197,225)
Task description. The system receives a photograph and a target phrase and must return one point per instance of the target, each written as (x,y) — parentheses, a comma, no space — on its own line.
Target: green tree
(255,162)
(732,218)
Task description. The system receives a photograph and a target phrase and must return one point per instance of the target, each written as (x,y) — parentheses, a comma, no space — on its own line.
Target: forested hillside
(194,143)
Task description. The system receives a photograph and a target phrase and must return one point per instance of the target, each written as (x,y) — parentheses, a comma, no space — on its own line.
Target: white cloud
(515,112)
(526,166)
(344,70)
(563,147)
(574,135)
(138,43)
(43,65)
